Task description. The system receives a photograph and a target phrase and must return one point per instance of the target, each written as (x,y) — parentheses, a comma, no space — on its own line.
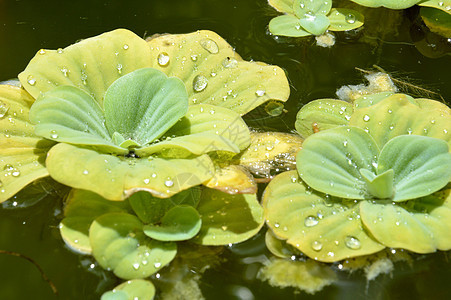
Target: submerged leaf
(144,104)
(116,178)
(214,74)
(92,64)
(22,153)
(228,218)
(308,276)
(282,5)
(118,243)
(180,223)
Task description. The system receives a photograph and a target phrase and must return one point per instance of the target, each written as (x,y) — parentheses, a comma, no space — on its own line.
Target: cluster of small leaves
(370,178)
(311,17)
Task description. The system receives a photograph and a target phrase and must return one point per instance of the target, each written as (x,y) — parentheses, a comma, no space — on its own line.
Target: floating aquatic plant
(402,4)
(369,176)
(137,237)
(311,17)
(157,140)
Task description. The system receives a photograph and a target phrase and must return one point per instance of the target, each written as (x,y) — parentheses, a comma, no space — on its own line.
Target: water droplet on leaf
(352,242)
(4,107)
(310,221)
(200,82)
(350,19)
(317,246)
(53,134)
(163,59)
(31,80)
(168,182)
(209,45)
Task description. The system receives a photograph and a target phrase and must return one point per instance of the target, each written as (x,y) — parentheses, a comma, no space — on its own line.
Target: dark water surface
(314,72)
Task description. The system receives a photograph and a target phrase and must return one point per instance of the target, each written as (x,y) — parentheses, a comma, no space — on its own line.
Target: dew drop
(345,143)
(65,71)
(125,47)
(84,78)
(350,19)
(31,80)
(146,181)
(8,167)
(229,62)
(366,118)
(15,172)
(209,45)
(200,82)
(168,182)
(260,93)
(310,221)
(194,57)
(224,228)
(277,225)
(53,134)
(157,265)
(4,107)
(85,172)
(163,59)
(317,246)
(119,68)
(441,3)
(42,52)
(59,51)
(352,243)
(136,266)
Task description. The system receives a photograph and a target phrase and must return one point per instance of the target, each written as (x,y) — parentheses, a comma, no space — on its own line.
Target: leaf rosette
(120,124)
(370,175)
(311,17)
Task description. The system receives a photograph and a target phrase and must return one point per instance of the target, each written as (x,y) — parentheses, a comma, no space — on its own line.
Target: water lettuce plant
(138,236)
(402,4)
(370,175)
(101,115)
(311,17)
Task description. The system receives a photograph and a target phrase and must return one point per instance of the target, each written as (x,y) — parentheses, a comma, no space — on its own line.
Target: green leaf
(144,104)
(232,179)
(116,178)
(436,20)
(92,64)
(372,99)
(287,25)
(180,223)
(306,7)
(204,129)
(393,4)
(282,5)
(324,228)
(398,115)
(316,24)
(228,218)
(131,290)
(22,153)
(421,165)
(151,209)
(82,208)
(421,225)
(444,5)
(215,74)
(379,186)
(212,120)
(118,243)
(322,114)
(68,114)
(342,19)
(330,161)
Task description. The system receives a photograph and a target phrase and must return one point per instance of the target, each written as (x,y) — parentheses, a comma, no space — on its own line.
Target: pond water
(29,226)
